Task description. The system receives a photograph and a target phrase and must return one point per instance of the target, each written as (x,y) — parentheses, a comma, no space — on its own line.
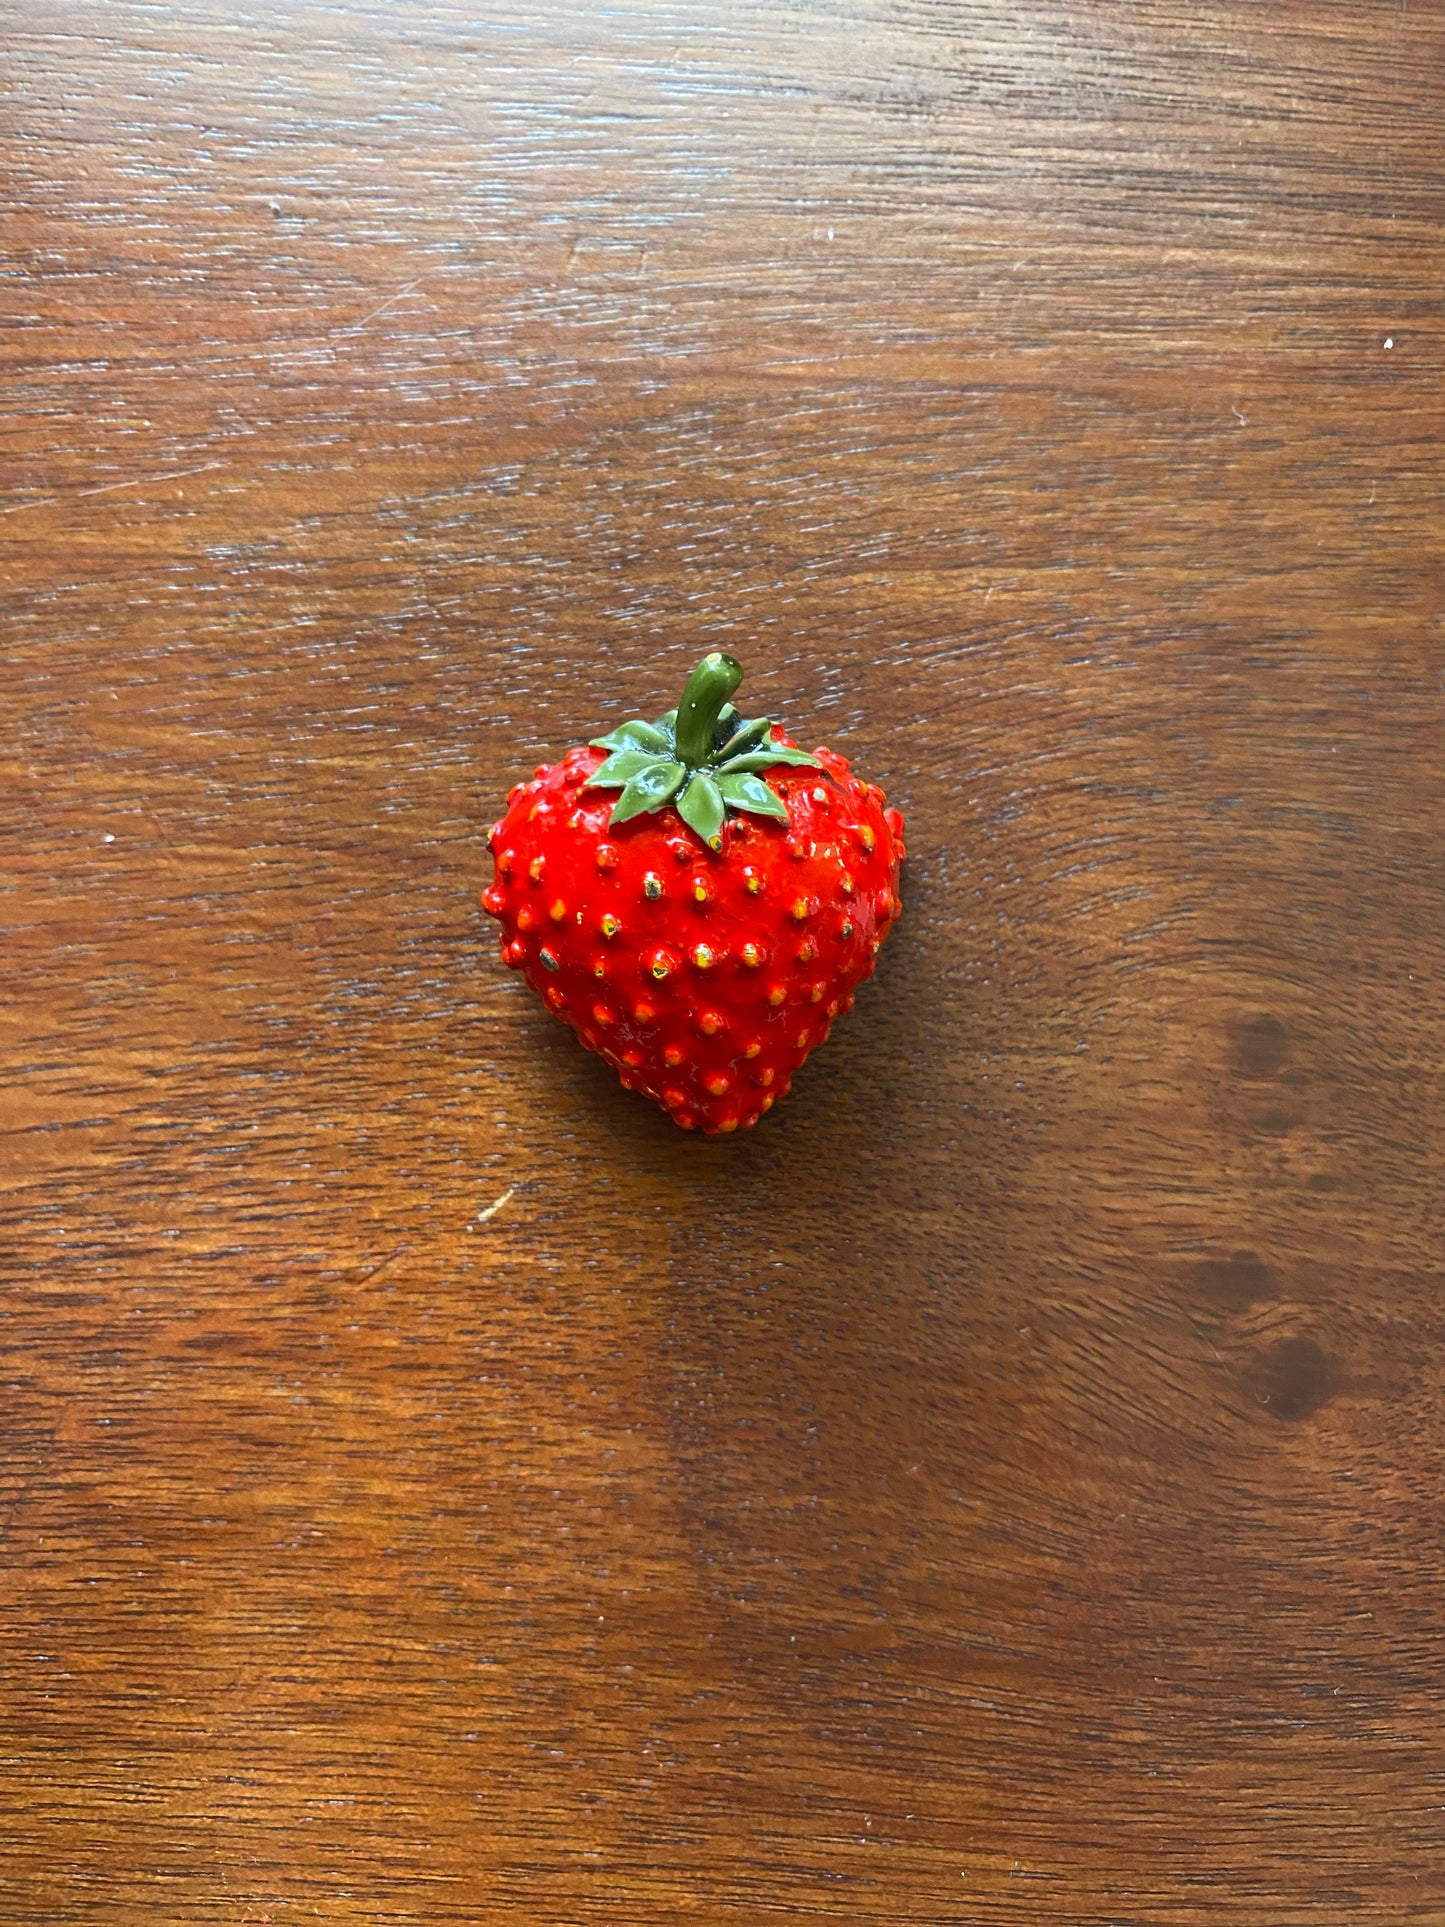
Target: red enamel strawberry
(703,928)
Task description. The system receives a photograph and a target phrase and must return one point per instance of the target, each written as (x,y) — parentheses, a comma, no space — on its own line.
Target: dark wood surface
(1004,1488)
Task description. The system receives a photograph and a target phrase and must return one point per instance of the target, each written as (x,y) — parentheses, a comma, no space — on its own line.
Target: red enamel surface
(708,995)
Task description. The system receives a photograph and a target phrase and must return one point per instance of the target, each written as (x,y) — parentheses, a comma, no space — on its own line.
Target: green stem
(708,687)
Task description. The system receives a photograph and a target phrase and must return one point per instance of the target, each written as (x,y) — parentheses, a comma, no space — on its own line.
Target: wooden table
(1004,1488)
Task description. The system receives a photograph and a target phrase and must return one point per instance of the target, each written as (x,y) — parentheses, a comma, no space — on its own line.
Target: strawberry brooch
(697,898)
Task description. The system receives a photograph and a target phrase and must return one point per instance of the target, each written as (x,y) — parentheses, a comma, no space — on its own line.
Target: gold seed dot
(866,836)
(752,1049)
(751,955)
(602,1015)
(777,994)
(846,930)
(643,1013)
(672,1056)
(802,908)
(606,856)
(815,995)
(728,1124)
(652,885)
(764,1078)
(609,926)
(710,1023)
(701,890)
(673,1097)
(807,951)
(719,1084)
(767,1103)
(537,868)
(557,911)
(753,881)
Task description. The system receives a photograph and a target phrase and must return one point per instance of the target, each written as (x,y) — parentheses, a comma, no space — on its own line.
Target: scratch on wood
(390,302)
(108,488)
(496,1205)
(390,1259)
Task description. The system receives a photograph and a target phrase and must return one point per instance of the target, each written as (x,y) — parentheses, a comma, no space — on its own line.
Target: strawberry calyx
(702,758)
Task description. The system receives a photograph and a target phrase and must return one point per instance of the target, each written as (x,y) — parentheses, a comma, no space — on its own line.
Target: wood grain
(1006,1487)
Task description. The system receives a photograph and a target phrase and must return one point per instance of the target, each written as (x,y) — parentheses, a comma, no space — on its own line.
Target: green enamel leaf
(765,759)
(648,790)
(747,792)
(636,735)
(716,770)
(621,766)
(751,736)
(701,807)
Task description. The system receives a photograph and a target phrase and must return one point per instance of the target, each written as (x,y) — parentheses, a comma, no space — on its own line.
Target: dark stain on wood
(1293,1378)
